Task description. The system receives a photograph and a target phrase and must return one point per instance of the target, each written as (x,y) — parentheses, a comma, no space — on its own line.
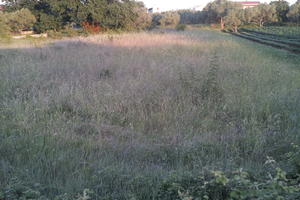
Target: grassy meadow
(142,115)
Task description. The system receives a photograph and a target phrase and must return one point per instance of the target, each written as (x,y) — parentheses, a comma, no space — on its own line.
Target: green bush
(166,19)
(67,32)
(236,185)
(20,20)
(181,27)
(4,29)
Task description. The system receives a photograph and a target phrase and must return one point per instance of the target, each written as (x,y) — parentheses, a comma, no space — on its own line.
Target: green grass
(121,115)
(280,31)
(292,43)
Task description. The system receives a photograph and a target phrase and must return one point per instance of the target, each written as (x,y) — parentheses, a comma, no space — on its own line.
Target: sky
(164,5)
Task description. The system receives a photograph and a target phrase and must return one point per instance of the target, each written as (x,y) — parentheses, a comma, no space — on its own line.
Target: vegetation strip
(275,45)
(272,34)
(292,44)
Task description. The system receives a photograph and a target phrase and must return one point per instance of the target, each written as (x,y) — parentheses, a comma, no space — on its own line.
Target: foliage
(237,185)
(165,19)
(110,14)
(156,17)
(294,13)
(234,18)
(293,162)
(259,15)
(169,19)
(264,13)
(143,20)
(20,20)
(192,17)
(91,28)
(218,9)
(181,27)
(4,28)
(292,32)
(282,8)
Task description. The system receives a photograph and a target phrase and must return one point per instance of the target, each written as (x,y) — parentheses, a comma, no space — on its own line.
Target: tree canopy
(294,13)
(17,21)
(56,14)
(218,9)
(282,8)
(132,15)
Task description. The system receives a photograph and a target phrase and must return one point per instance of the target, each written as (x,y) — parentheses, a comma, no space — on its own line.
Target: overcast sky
(183,4)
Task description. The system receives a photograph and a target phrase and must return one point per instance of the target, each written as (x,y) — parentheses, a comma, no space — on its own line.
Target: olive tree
(219,9)
(294,13)
(282,8)
(20,20)
(4,28)
(143,20)
(264,13)
(169,19)
(234,19)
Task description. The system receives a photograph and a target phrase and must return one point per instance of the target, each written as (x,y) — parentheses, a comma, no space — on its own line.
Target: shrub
(239,185)
(143,20)
(20,20)
(165,19)
(4,29)
(91,28)
(46,22)
(181,27)
(169,19)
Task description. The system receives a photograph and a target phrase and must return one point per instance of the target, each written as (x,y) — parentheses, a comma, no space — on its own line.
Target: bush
(4,29)
(238,185)
(165,19)
(143,20)
(169,19)
(181,27)
(20,20)
(67,32)
(91,28)
(46,22)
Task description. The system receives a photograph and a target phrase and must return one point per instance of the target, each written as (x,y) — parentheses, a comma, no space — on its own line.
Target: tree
(14,5)
(50,14)
(156,17)
(234,18)
(248,16)
(282,8)
(143,20)
(192,16)
(20,20)
(57,14)
(170,19)
(294,13)
(218,9)
(4,28)
(264,13)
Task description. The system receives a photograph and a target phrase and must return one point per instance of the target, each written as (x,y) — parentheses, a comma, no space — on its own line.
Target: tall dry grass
(118,113)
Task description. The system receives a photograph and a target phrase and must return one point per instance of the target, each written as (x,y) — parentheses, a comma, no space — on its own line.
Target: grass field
(133,116)
(282,37)
(283,31)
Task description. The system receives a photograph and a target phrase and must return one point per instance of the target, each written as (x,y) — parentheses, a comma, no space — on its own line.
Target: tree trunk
(235,28)
(222,24)
(261,23)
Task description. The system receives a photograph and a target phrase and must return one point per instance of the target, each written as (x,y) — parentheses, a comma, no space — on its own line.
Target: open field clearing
(144,115)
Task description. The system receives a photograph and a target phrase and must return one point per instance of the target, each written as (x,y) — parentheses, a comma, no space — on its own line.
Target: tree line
(97,15)
(231,14)
(58,14)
